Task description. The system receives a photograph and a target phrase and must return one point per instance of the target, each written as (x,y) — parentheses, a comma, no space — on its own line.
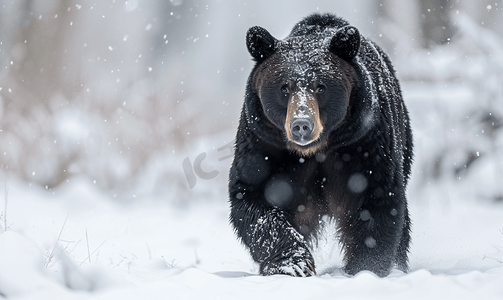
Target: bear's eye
(320,89)
(285,90)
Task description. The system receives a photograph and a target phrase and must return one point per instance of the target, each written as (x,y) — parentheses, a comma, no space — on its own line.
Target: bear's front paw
(297,263)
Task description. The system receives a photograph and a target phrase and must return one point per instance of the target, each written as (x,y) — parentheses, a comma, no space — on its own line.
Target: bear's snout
(301,129)
(303,124)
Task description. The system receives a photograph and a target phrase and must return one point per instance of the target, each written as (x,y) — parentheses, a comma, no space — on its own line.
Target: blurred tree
(97,89)
(436,25)
(38,59)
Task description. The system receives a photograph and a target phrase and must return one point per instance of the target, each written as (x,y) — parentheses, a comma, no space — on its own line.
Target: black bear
(323,132)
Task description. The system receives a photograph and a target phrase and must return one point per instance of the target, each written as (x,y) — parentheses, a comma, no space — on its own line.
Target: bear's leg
(402,260)
(371,239)
(273,242)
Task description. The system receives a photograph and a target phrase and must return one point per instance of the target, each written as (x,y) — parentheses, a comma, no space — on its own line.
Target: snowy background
(116,125)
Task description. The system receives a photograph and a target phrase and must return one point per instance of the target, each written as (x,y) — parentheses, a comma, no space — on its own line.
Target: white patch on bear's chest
(327,251)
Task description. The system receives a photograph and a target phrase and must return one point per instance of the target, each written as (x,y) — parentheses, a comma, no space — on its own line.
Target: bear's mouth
(306,147)
(303,142)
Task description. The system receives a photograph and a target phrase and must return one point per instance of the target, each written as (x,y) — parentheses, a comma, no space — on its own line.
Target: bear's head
(305,81)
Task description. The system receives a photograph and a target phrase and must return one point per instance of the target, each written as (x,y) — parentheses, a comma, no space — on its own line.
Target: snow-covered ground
(75,242)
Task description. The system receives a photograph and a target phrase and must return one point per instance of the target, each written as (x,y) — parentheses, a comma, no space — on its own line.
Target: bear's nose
(302,128)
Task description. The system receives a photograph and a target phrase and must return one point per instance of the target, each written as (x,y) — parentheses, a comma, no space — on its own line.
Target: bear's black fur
(323,131)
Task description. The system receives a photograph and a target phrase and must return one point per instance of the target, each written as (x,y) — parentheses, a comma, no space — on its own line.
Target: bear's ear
(346,42)
(260,43)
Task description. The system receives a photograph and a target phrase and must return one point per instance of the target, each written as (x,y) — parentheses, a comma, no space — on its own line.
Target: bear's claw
(296,265)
